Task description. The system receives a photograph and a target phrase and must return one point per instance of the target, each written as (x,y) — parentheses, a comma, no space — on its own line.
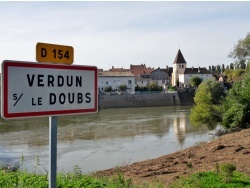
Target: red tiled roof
(140,69)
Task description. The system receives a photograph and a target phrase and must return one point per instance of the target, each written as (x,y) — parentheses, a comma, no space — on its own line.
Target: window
(107,83)
(129,81)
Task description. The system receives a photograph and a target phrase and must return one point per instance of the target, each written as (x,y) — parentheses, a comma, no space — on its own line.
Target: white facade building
(115,79)
(188,73)
(181,74)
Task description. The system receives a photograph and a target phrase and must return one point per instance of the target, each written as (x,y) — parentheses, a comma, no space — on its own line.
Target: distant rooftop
(179,59)
(115,74)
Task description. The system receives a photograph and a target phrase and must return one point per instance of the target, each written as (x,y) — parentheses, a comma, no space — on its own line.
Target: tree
(153,86)
(123,87)
(195,81)
(223,68)
(108,88)
(231,66)
(218,69)
(241,51)
(237,105)
(207,109)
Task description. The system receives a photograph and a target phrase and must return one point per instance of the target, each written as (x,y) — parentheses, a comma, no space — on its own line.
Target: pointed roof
(179,58)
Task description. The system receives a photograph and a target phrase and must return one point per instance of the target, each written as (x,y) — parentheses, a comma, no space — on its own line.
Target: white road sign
(31,89)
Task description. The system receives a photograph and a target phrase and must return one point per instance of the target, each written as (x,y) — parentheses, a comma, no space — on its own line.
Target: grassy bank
(22,179)
(212,180)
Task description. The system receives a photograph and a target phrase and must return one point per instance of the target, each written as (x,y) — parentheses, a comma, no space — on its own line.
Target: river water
(109,138)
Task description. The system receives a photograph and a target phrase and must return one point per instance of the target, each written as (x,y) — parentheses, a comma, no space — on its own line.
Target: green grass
(224,176)
(23,179)
(212,180)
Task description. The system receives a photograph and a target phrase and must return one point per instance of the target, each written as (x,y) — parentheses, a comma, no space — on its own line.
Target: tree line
(231,108)
(241,60)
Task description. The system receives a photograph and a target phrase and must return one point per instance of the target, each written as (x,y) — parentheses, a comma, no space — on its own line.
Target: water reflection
(117,135)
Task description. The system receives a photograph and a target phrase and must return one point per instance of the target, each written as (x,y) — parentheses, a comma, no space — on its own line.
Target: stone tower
(179,66)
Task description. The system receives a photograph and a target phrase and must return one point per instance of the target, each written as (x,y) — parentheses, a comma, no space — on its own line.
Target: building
(142,74)
(115,79)
(140,69)
(181,74)
(160,76)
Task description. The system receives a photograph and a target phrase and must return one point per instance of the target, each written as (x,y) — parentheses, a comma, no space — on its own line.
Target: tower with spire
(179,67)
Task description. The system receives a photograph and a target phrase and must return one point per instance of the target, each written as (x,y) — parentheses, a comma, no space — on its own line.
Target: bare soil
(231,148)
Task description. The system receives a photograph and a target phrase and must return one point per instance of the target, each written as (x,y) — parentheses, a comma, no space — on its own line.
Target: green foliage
(226,171)
(108,89)
(207,109)
(171,88)
(122,87)
(237,105)
(212,180)
(69,180)
(195,81)
(241,51)
(234,75)
(153,86)
(22,179)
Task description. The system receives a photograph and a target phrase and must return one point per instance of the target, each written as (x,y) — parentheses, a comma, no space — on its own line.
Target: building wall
(142,83)
(176,69)
(160,77)
(115,82)
(184,79)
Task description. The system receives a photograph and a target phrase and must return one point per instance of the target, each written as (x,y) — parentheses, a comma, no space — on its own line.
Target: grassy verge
(30,180)
(212,180)
(224,176)
(24,179)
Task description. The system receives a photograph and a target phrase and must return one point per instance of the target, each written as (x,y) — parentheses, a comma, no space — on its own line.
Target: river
(109,138)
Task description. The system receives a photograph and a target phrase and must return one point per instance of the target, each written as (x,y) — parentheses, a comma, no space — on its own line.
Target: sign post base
(53,151)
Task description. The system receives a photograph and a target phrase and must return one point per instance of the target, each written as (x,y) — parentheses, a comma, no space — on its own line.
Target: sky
(115,33)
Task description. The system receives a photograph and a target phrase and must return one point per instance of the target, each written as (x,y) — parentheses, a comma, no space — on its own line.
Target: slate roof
(169,71)
(179,58)
(203,70)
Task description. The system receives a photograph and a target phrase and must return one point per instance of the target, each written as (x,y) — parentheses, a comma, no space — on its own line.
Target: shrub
(108,89)
(226,171)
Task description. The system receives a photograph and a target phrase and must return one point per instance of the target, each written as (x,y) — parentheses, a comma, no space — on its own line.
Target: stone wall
(138,100)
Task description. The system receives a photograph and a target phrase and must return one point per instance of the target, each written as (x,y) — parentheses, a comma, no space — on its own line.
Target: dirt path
(232,148)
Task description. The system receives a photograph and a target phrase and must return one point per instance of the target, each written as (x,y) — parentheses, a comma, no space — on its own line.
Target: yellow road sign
(54,53)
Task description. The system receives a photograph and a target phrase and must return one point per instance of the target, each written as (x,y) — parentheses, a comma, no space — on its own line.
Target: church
(181,74)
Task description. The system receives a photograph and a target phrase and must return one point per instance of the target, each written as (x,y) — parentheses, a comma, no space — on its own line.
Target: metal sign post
(53,151)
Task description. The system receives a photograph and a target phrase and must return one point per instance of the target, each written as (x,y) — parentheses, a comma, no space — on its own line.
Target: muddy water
(112,137)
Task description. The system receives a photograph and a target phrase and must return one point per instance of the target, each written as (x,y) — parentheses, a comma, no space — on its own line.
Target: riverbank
(231,148)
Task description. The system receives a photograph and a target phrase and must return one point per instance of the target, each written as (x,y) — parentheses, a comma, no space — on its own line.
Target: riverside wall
(139,100)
